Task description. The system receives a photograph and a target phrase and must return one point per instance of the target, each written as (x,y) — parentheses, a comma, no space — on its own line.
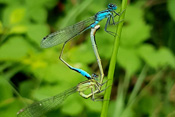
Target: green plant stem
(156,78)
(138,84)
(113,61)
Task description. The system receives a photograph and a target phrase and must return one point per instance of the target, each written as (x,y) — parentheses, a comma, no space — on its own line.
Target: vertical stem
(113,62)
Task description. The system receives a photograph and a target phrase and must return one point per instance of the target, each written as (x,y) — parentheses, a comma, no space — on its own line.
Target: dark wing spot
(45,37)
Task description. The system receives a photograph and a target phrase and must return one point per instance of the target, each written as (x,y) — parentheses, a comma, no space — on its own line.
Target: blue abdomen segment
(82,72)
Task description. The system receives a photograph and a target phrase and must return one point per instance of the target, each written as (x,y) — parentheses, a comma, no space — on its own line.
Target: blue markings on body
(100,16)
(103,14)
(67,33)
(82,72)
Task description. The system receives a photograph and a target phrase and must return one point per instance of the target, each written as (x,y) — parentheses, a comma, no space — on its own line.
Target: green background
(145,63)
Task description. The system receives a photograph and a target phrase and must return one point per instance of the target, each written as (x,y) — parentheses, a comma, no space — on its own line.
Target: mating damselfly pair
(42,107)
(66,34)
(63,36)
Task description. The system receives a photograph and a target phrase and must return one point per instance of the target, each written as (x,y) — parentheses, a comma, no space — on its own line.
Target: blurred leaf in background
(144,75)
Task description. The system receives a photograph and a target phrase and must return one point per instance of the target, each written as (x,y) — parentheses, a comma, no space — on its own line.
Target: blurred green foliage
(144,79)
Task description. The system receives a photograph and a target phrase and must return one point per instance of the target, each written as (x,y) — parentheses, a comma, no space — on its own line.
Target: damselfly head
(94,76)
(112,6)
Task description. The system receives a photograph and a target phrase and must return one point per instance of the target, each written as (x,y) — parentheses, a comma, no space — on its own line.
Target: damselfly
(40,108)
(64,35)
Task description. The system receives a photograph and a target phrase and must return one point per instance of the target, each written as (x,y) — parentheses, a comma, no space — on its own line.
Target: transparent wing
(67,33)
(40,108)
